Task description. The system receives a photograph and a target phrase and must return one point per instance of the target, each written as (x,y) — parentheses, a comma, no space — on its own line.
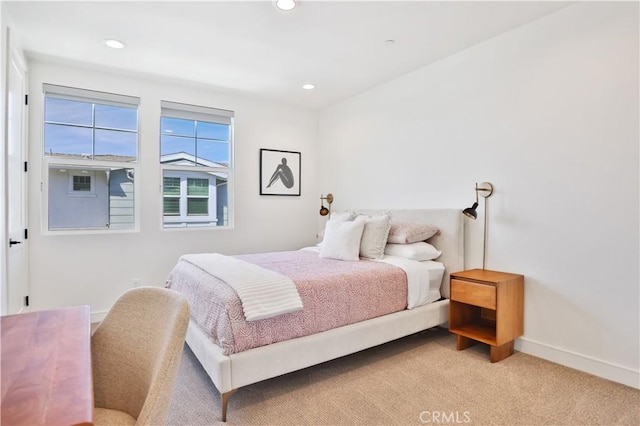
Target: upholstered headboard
(450,240)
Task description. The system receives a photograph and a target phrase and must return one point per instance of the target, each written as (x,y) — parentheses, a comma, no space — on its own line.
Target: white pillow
(374,236)
(343,216)
(342,240)
(416,251)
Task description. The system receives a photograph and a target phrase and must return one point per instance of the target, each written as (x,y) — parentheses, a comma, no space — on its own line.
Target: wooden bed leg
(225,400)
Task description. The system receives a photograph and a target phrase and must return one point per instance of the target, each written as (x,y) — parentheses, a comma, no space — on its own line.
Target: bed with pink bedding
(334,293)
(346,307)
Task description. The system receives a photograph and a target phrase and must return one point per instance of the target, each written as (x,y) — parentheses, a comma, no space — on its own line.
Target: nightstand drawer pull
(474,294)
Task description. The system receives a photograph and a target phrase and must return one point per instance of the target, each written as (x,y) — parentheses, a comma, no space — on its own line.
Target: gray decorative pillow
(374,237)
(410,232)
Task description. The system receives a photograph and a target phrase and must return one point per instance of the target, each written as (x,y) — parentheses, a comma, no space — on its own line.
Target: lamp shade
(471,212)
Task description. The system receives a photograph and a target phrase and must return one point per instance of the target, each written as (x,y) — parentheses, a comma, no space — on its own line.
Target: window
(198,197)
(81,183)
(90,154)
(196,146)
(171,193)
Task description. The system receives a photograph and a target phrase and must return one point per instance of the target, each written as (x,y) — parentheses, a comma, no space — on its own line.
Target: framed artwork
(279,172)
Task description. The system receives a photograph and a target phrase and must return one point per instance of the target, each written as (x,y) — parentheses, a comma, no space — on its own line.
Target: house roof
(98,157)
(184,159)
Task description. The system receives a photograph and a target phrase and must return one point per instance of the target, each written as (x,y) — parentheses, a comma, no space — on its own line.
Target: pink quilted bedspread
(333,292)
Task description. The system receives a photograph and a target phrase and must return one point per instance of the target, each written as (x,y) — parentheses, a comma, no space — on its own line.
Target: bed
(233,368)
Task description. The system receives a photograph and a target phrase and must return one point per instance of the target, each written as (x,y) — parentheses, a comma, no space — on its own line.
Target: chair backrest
(136,352)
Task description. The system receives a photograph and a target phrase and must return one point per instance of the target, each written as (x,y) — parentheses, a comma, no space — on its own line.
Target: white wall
(549,114)
(95,269)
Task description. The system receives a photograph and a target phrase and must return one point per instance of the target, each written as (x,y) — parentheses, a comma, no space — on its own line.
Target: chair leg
(225,401)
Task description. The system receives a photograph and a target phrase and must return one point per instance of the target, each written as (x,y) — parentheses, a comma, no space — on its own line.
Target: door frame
(10,55)
(4,47)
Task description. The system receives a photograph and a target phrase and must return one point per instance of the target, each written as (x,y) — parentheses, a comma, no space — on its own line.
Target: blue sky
(69,130)
(209,141)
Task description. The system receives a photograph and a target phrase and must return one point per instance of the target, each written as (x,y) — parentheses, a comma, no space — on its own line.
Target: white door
(17,253)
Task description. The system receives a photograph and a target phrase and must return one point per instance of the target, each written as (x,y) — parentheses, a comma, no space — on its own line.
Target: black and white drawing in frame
(279,172)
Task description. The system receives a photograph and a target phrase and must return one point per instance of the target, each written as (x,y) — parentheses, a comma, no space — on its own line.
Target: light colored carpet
(420,379)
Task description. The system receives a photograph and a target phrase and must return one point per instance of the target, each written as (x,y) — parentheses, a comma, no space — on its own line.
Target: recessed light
(389,42)
(285,5)
(113,43)
(308,86)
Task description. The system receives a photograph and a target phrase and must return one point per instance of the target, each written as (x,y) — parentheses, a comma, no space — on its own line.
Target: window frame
(199,114)
(74,165)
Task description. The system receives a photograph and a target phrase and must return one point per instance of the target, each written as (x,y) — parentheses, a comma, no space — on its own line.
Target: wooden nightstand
(487,306)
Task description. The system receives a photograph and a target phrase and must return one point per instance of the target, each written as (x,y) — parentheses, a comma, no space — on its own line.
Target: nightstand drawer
(473,293)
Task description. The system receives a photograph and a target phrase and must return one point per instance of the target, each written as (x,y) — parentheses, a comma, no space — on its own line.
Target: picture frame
(280,172)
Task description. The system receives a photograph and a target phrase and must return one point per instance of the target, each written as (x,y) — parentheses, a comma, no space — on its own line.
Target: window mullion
(93,131)
(58,123)
(183,197)
(195,149)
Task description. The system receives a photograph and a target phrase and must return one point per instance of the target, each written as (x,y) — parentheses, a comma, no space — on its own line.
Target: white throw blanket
(263,293)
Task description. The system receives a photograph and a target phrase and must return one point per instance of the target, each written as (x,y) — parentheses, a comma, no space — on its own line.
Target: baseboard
(98,316)
(597,367)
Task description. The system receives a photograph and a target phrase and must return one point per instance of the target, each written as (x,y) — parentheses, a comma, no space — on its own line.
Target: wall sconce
(485,189)
(323,210)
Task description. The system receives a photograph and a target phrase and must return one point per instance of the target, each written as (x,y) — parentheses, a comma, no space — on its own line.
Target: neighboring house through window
(90,158)
(196,146)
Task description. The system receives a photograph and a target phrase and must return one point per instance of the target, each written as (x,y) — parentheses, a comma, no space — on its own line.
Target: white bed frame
(230,372)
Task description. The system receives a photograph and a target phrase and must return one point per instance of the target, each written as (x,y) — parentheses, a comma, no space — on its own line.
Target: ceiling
(252,48)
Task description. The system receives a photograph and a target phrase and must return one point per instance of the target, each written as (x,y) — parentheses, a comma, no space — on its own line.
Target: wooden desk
(46,368)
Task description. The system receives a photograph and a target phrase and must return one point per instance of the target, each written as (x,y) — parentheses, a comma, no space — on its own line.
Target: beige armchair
(135,354)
